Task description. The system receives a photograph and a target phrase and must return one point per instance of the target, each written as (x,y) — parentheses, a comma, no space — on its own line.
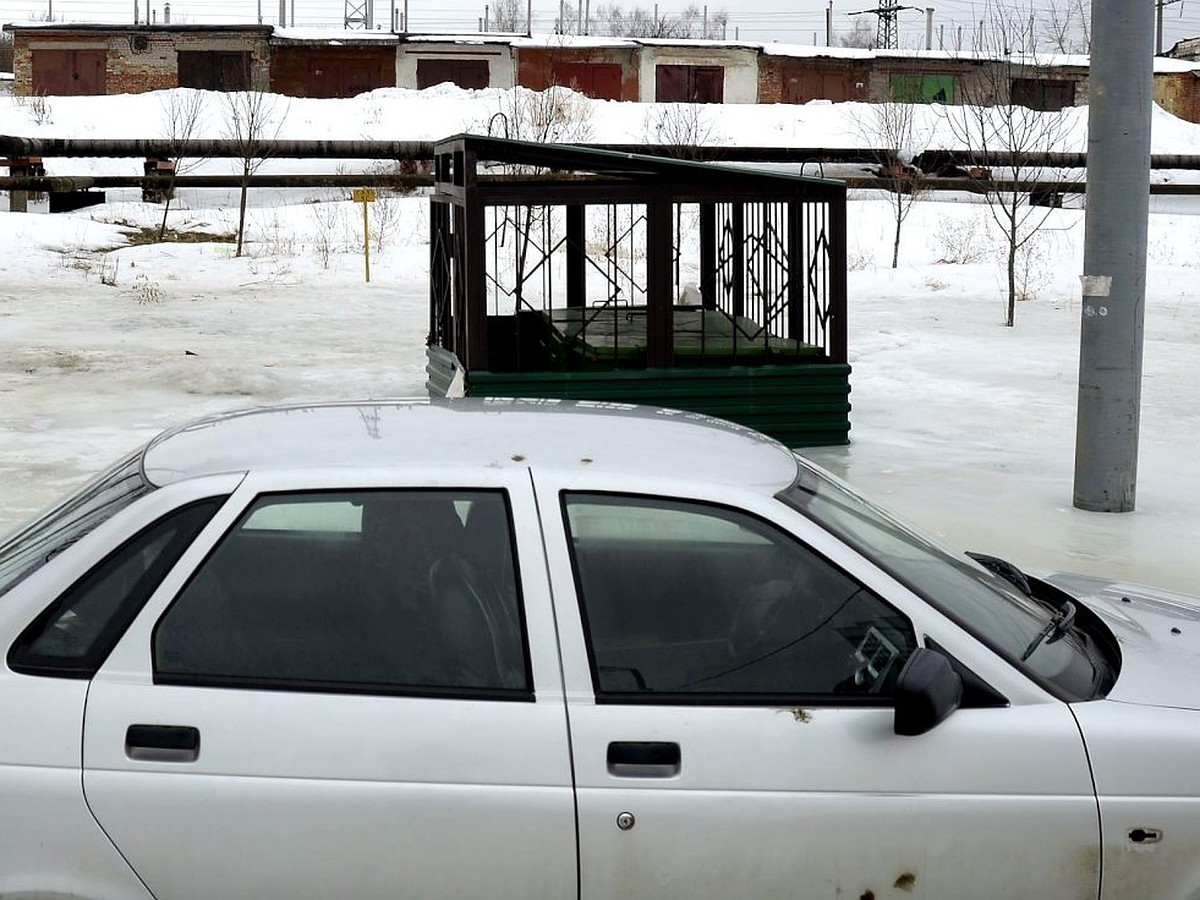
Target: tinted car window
(75,634)
(684,598)
(978,599)
(377,591)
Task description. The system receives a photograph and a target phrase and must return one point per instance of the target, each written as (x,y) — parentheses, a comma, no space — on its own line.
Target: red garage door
(69,72)
(599,80)
(802,86)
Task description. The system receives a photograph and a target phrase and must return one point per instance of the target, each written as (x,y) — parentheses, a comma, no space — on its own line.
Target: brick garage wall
(140,62)
(770,78)
(1179,94)
(535,65)
(137,59)
(254,43)
(132,70)
(22,66)
(774,72)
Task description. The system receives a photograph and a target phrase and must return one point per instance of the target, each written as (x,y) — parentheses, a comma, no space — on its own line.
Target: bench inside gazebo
(562,271)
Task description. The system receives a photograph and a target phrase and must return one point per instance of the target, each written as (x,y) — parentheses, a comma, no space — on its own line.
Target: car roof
(472,432)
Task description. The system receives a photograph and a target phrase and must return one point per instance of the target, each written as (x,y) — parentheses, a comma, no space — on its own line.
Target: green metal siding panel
(929,88)
(801,406)
(440,366)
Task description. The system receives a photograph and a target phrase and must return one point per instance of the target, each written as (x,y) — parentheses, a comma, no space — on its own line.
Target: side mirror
(927,691)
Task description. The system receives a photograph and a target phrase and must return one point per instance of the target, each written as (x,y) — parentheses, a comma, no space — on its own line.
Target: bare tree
(684,128)
(988,123)
(182,111)
(509,15)
(556,115)
(892,129)
(861,37)
(696,24)
(690,24)
(253,121)
(1068,26)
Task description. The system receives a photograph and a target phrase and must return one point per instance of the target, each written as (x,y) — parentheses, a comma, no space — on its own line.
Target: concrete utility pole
(1120,91)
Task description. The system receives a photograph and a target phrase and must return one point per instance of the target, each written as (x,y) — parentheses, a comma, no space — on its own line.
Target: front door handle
(643,759)
(162,743)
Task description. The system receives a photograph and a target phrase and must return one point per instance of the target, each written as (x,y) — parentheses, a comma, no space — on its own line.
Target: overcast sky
(793,21)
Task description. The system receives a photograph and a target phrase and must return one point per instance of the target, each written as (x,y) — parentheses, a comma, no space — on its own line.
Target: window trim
(369,689)
(310,686)
(734,699)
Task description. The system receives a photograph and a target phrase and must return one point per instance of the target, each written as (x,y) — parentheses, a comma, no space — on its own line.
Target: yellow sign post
(365,196)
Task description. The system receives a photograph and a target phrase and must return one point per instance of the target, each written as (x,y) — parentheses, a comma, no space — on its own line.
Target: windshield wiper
(1005,570)
(1058,626)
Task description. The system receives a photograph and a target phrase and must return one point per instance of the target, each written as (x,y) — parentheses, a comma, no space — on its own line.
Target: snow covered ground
(960,425)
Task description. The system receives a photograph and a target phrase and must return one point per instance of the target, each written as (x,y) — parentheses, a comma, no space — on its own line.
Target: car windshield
(29,548)
(982,602)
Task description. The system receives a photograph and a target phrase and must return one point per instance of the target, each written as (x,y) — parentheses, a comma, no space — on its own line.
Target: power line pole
(886,33)
(1120,95)
(1159,4)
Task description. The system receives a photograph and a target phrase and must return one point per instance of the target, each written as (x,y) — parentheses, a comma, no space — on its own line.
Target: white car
(540,649)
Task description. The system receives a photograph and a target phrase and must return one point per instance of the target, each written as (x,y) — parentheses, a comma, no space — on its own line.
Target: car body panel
(308,794)
(54,846)
(520,434)
(50,845)
(1144,763)
(1159,635)
(781,801)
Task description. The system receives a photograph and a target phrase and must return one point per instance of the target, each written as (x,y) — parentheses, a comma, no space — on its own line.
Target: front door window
(683,598)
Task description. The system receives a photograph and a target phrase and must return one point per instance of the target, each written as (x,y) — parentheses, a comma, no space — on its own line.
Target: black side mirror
(927,691)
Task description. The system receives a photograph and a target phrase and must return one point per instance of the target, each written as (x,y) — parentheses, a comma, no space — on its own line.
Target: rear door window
(380,591)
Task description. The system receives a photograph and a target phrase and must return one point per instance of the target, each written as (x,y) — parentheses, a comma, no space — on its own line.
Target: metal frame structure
(763,247)
(559,270)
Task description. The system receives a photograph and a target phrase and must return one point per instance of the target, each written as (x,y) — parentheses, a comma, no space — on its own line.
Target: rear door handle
(163,743)
(643,759)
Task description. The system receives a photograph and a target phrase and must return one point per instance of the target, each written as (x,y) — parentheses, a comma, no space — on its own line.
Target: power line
(886,15)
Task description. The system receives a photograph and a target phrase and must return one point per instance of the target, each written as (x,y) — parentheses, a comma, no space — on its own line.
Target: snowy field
(960,425)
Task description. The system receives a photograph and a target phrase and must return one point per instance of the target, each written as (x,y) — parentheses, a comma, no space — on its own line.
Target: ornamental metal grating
(589,267)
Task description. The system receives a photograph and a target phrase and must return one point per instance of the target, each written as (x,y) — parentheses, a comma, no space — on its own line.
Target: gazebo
(564,271)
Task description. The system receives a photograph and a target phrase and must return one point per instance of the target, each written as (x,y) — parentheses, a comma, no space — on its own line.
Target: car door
(349,689)
(730,690)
